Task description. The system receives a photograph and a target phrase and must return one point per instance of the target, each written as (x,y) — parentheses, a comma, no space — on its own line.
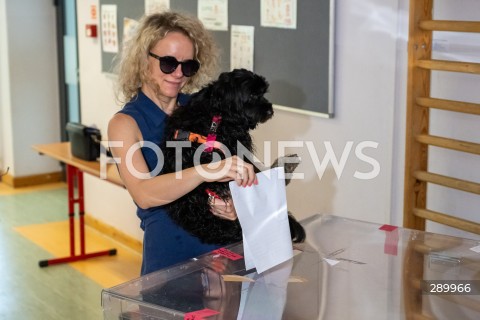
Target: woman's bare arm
(163,189)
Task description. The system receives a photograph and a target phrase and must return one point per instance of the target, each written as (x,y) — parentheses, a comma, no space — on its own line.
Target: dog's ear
(257,108)
(223,95)
(253,104)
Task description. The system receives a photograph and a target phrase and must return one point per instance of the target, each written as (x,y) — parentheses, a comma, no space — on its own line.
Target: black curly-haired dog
(222,112)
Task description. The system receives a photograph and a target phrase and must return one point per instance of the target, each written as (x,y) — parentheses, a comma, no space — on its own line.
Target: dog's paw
(297,232)
(289,162)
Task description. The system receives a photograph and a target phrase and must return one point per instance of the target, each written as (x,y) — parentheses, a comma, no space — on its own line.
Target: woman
(171,54)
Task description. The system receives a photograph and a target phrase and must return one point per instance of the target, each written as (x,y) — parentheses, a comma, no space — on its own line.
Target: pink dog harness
(210,141)
(212,134)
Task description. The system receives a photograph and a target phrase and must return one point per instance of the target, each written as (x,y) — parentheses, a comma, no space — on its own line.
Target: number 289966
(451,287)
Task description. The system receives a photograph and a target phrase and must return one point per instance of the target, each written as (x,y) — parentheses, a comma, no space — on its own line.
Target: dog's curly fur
(238,97)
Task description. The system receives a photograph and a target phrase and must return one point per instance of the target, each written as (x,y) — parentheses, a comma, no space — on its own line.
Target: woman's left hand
(223,209)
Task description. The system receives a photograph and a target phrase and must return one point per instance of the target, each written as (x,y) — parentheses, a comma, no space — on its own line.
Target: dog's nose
(270,112)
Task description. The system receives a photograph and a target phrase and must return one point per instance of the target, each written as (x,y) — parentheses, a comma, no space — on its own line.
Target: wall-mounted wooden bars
(455,66)
(419,103)
(458,145)
(448,25)
(449,105)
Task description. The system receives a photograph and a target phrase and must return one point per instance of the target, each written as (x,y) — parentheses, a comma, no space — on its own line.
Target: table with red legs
(74,169)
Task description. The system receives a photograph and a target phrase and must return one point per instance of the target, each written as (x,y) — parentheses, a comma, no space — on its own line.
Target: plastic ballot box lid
(346,269)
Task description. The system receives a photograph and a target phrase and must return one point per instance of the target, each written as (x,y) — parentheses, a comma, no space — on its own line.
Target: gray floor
(28,291)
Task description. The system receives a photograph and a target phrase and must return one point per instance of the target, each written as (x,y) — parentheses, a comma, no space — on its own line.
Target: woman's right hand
(228,169)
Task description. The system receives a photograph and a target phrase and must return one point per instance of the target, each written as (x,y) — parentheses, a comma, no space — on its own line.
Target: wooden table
(61,152)
(75,168)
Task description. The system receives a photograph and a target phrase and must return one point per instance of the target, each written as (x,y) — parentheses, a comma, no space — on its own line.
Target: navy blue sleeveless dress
(164,242)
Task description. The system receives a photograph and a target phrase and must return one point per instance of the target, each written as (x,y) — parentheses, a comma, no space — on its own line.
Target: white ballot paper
(262,212)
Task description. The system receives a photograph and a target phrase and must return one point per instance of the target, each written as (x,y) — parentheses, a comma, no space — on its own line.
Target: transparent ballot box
(346,269)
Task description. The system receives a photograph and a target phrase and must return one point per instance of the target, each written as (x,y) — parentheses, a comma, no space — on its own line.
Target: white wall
(3,29)
(5,119)
(29,84)
(370,75)
(104,201)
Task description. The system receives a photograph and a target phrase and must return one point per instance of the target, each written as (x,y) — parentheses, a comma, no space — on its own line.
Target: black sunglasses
(168,64)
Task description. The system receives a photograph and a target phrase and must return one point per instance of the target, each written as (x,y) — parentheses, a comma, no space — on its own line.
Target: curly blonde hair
(132,64)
